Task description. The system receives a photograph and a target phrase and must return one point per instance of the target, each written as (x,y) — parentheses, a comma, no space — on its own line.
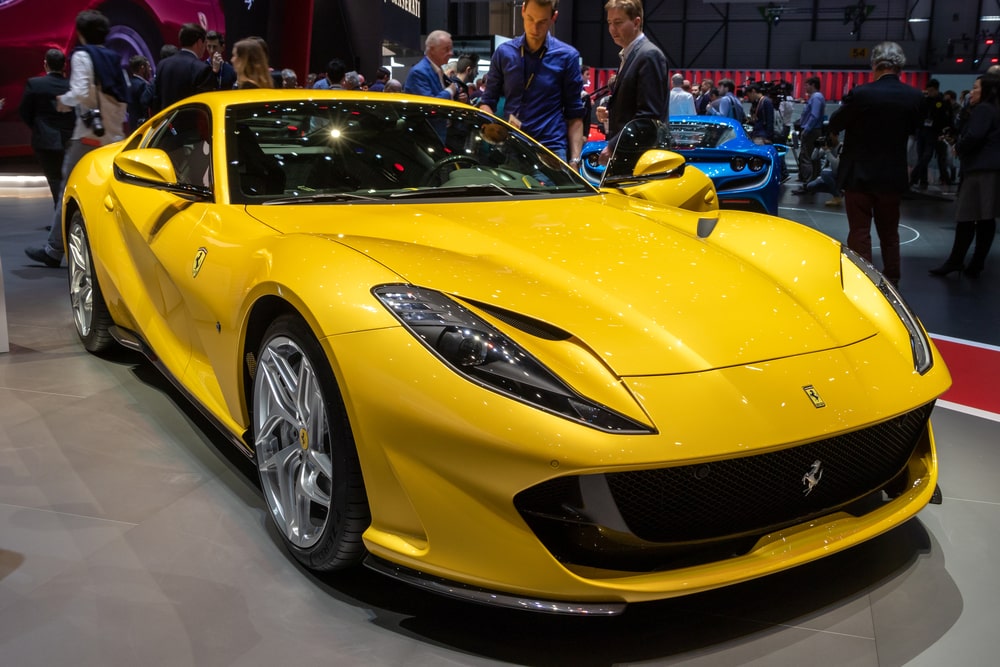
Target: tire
(133,32)
(90,312)
(305,452)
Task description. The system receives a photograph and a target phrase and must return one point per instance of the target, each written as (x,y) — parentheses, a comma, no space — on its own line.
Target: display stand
(4,341)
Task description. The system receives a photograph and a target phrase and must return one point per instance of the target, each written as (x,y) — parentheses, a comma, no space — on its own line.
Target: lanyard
(530,76)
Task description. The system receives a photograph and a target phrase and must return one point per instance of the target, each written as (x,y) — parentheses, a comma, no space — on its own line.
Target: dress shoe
(833,201)
(39,255)
(945,269)
(800,191)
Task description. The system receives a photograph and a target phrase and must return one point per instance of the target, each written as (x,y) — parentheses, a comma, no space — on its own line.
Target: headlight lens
(756,163)
(479,352)
(923,359)
(738,163)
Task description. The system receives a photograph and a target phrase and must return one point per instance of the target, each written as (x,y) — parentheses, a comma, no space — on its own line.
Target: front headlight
(483,354)
(923,360)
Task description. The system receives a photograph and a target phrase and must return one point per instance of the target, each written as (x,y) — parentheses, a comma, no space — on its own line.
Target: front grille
(671,517)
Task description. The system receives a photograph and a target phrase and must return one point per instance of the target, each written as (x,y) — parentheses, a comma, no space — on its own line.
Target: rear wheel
(90,313)
(305,451)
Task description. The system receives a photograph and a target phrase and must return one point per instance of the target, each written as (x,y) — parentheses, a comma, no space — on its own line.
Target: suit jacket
(181,75)
(423,79)
(140,94)
(641,88)
(226,78)
(877,118)
(50,129)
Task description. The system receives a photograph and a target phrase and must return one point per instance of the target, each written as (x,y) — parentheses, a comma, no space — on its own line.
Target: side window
(187,138)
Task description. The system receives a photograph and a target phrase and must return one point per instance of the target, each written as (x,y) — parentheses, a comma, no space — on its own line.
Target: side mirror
(151,165)
(658,161)
(153,168)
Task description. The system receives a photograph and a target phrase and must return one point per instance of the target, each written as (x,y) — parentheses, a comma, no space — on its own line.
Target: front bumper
(449,466)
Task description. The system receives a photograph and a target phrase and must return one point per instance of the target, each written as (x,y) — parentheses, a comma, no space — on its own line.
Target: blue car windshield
(355,150)
(687,135)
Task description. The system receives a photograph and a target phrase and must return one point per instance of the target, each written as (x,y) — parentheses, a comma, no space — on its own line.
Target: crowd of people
(100,102)
(536,83)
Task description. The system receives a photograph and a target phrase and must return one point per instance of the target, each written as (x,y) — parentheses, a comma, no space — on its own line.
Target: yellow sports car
(454,360)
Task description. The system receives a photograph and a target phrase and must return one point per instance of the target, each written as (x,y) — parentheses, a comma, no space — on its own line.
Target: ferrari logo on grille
(814,396)
(811,479)
(199,259)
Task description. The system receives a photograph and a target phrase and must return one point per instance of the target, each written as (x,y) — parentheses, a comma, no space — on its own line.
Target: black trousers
(52,162)
(808,168)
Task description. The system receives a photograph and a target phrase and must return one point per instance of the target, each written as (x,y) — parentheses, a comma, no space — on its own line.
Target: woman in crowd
(978,150)
(250,62)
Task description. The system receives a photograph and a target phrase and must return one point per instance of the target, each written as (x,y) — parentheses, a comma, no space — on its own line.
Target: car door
(157,227)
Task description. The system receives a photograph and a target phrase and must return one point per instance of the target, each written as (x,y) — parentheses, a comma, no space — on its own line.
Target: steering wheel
(433,176)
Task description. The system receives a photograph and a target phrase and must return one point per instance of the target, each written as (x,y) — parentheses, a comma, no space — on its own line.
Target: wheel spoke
(280,384)
(81,292)
(322,462)
(309,490)
(308,400)
(281,471)
(269,431)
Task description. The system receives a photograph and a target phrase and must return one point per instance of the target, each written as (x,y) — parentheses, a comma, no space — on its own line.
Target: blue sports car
(746,175)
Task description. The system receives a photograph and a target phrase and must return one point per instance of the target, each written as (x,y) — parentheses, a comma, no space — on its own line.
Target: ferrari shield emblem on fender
(199,259)
(814,396)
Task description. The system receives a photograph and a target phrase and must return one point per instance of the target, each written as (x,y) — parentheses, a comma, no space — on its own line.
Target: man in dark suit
(215,43)
(140,91)
(50,129)
(185,73)
(877,119)
(641,87)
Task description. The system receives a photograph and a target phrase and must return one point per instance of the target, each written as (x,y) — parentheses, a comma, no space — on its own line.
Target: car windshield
(700,134)
(302,151)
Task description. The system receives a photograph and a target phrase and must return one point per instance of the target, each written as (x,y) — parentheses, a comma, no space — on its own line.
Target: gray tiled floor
(130,534)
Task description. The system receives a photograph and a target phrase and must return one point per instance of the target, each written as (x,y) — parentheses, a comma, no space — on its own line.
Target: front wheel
(90,312)
(305,452)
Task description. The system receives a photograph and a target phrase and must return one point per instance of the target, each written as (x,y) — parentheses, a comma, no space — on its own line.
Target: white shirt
(681,102)
(83,95)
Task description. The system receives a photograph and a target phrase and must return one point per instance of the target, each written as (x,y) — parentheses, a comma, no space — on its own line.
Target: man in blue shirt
(810,126)
(540,78)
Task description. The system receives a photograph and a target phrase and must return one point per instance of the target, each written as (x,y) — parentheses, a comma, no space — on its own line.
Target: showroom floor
(131,534)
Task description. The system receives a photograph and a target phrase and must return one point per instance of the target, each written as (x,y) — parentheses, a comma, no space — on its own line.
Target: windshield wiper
(448,191)
(320,197)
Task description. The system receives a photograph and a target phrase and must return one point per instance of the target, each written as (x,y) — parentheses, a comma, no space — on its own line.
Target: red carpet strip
(975,376)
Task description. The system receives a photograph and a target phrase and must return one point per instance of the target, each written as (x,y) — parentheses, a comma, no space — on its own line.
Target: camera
(777,90)
(92,119)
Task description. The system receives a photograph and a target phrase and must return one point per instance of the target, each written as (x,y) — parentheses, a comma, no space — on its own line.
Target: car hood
(630,279)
